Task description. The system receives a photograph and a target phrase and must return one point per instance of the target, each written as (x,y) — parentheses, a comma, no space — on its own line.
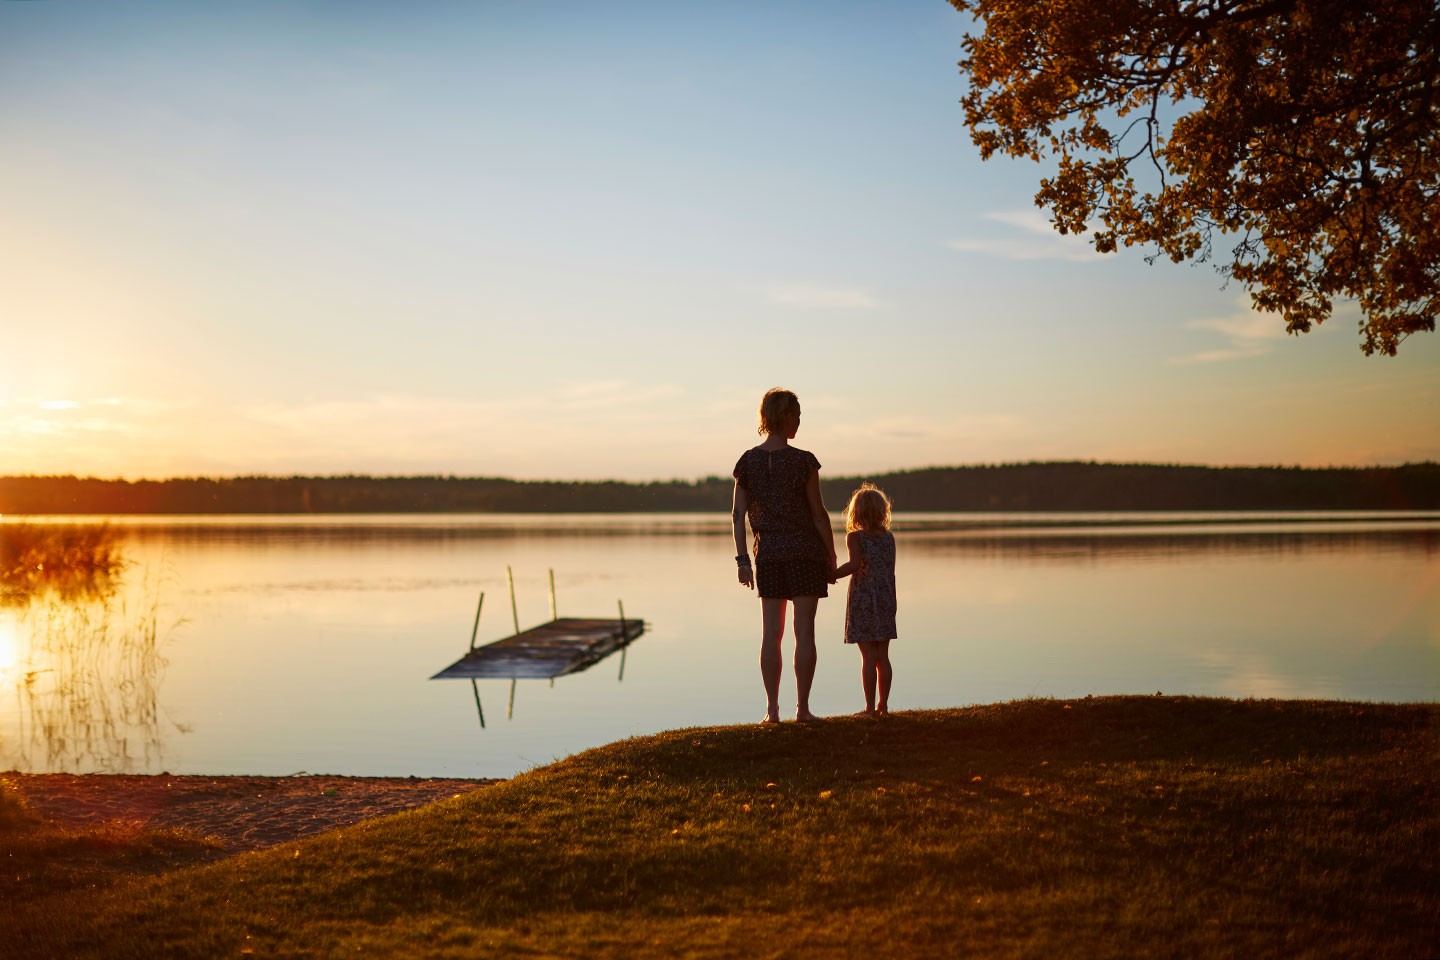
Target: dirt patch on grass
(242,813)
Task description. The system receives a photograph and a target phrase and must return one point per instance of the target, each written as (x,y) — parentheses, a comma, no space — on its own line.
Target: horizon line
(710,477)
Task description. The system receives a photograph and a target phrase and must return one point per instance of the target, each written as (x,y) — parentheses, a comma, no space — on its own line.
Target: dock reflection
(515,682)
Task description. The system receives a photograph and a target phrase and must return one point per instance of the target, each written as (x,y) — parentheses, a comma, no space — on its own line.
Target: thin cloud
(1251,334)
(614,393)
(1037,240)
(803,295)
(949,429)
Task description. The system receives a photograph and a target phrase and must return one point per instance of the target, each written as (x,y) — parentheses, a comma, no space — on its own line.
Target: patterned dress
(870,605)
(790,558)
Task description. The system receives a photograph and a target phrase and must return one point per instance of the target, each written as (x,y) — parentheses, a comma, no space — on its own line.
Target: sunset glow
(580,241)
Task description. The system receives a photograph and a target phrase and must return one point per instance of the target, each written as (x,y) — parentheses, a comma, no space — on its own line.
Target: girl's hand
(747,576)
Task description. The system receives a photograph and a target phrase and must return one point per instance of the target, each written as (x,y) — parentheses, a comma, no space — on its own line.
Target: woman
(777,487)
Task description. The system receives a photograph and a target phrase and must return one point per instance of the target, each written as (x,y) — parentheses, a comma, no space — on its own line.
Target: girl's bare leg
(867,675)
(882,669)
(805,655)
(772,628)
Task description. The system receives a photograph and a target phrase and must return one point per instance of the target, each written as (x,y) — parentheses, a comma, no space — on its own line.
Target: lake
(276,645)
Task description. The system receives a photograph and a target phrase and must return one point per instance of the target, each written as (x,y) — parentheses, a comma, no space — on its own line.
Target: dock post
(514,611)
(476,629)
(510,711)
(553,615)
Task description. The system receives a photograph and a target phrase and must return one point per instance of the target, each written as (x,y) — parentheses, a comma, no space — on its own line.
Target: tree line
(1054,486)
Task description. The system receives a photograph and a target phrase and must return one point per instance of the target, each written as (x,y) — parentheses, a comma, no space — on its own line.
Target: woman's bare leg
(772,628)
(882,669)
(805,655)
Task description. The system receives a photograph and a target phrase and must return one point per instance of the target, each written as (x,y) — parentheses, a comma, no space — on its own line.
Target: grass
(1117,826)
(45,861)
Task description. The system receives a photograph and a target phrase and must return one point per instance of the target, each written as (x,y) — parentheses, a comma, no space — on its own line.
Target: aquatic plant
(86,682)
(72,559)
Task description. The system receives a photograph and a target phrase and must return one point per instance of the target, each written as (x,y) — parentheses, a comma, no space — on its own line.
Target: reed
(86,682)
(89,661)
(72,559)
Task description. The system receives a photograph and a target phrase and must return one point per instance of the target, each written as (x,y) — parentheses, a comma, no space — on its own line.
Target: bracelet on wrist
(743,560)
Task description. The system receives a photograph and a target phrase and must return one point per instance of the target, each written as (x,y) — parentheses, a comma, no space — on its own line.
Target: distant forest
(1005,487)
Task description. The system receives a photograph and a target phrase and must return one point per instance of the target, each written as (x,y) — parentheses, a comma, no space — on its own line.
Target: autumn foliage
(1300,136)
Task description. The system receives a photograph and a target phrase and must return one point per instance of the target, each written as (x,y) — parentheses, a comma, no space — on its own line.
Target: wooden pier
(562,646)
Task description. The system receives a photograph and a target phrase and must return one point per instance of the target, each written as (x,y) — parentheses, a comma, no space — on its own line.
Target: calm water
(275,645)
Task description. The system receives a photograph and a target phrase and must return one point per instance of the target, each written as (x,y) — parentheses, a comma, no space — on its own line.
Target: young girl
(870,608)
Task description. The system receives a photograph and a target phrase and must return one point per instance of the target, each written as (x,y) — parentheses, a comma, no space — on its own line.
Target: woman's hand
(739,505)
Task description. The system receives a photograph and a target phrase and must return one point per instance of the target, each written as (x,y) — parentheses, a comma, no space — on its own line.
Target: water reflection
(1163,543)
(310,640)
(81,667)
(515,682)
(1034,534)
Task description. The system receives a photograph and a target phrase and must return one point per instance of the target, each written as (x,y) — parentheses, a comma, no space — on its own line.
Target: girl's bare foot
(882,711)
(805,716)
(770,718)
(867,712)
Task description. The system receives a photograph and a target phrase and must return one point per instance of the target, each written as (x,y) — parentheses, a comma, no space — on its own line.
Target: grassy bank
(1107,827)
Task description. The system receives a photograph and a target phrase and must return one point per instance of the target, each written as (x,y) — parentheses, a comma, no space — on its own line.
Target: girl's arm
(857,555)
(740,502)
(820,516)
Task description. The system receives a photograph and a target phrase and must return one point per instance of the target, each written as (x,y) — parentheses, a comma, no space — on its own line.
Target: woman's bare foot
(805,716)
(772,716)
(882,711)
(867,712)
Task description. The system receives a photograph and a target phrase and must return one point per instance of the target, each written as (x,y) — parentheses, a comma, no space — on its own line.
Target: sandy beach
(242,812)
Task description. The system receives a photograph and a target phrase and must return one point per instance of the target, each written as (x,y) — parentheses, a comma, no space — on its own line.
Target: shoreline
(240,812)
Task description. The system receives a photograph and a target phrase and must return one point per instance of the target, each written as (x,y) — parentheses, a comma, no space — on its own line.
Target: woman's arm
(857,556)
(739,503)
(819,515)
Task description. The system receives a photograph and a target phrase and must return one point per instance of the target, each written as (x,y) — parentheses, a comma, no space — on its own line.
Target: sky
(576,240)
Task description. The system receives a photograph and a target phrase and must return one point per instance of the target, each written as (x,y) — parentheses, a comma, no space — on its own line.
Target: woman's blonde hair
(868,509)
(775,407)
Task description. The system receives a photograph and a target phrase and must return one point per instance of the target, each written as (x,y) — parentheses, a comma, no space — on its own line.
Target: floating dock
(555,649)
(562,646)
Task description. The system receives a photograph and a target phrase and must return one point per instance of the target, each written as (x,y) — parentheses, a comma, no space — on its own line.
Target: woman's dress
(790,558)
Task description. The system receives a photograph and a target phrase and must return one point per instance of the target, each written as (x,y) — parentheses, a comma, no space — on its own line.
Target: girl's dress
(790,558)
(870,606)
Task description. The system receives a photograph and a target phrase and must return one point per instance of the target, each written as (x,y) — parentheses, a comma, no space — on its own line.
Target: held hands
(856,567)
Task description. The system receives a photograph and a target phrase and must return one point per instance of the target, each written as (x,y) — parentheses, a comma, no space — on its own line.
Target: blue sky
(542,239)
